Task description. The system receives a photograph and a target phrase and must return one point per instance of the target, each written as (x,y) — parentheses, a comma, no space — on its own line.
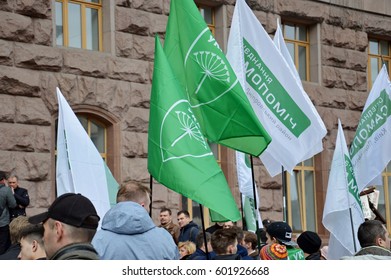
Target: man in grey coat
(7,201)
(128,232)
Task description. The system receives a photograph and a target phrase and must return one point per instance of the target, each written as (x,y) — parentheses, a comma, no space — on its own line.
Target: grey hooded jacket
(128,233)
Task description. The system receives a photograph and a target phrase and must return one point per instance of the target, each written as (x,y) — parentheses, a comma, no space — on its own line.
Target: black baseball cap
(72,209)
(282,232)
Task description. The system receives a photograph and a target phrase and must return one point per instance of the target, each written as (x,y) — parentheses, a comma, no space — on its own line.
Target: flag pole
(351,223)
(204,232)
(255,205)
(284,210)
(241,211)
(150,186)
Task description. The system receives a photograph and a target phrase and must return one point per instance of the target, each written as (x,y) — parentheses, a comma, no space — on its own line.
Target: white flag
(80,168)
(245,182)
(342,214)
(277,98)
(370,150)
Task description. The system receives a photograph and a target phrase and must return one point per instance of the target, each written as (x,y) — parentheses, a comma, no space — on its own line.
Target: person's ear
(380,242)
(34,246)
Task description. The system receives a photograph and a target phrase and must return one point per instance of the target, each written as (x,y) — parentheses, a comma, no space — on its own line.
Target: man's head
(200,243)
(3,177)
(165,216)
(136,192)
(31,243)
(183,218)
(228,224)
(72,218)
(280,232)
(224,242)
(373,233)
(16,226)
(13,182)
(250,240)
(309,242)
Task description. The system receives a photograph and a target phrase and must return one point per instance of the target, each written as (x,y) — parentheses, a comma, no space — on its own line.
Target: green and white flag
(370,150)
(342,214)
(213,90)
(281,46)
(80,167)
(245,182)
(272,89)
(179,156)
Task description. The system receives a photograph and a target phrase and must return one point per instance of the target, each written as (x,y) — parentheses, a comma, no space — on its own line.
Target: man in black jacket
(21,196)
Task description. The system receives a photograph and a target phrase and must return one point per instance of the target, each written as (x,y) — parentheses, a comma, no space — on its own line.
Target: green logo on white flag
(274,95)
(352,183)
(373,118)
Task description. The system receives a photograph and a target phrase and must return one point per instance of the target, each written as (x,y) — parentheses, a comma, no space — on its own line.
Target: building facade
(100,54)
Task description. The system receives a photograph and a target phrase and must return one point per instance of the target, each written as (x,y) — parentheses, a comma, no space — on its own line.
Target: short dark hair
(239,233)
(33,232)
(369,231)
(184,212)
(2,175)
(165,209)
(221,239)
(251,237)
(200,239)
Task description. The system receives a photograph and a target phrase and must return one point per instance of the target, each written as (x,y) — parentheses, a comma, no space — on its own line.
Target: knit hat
(282,232)
(309,242)
(274,251)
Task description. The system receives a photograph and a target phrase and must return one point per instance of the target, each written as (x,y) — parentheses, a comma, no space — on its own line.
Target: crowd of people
(72,229)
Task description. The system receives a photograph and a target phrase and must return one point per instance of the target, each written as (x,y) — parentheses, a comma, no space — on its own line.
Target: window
(378,54)
(301,203)
(297,41)
(79,24)
(97,133)
(385,196)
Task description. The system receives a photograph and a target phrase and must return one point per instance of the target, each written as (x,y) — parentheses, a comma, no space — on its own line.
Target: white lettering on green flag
(370,150)
(342,214)
(273,94)
(277,98)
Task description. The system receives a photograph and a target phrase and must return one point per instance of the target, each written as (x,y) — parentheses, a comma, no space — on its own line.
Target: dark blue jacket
(23,200)
(189,232)
(201,255)
(242,251)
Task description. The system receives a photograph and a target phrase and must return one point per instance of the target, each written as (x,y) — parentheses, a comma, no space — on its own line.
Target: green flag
(178,154)
(213,90)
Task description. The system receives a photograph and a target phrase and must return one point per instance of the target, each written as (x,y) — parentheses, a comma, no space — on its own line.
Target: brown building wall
(115,84)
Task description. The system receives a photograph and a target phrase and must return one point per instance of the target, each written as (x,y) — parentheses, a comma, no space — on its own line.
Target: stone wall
(117,83)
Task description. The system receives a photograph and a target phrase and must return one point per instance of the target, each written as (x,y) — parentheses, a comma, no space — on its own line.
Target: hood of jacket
(127,218)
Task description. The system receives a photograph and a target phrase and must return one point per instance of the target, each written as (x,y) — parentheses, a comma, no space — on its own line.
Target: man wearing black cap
(69,226)
(7,200)
(310,243)
(281,232)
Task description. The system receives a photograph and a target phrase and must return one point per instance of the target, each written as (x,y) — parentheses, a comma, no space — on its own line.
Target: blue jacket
(201,255)
(128,233)
(242,251)
(189,232)
(23,200)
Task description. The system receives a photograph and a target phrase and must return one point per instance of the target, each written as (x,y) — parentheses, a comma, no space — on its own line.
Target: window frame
(379,57)
(299,43)
(65,24)
(301,169)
